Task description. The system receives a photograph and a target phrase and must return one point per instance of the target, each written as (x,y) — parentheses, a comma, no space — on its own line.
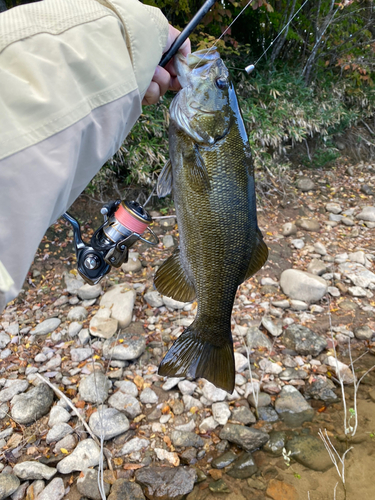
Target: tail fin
(191,356)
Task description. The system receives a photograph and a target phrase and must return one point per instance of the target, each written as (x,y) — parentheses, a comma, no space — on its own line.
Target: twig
(67,400)
(368,128)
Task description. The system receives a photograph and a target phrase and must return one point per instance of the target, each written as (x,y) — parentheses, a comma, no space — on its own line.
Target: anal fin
(170,280)
(191,356)
(259,257)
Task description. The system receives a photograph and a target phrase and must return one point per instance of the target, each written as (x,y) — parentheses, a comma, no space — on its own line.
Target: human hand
(166,78)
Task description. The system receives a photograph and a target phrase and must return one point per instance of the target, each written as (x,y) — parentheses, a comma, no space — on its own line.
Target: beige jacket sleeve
(72,77)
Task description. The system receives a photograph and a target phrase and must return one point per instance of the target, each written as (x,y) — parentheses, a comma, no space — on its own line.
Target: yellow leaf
(96,356)
(139,418)
(64,450)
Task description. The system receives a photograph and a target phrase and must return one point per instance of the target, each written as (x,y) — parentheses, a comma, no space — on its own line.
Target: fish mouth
(194,63)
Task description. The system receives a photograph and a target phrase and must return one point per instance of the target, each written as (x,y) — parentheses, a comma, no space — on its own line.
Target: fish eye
(222,83)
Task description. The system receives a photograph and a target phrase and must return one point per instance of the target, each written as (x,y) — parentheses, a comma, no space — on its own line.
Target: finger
(152,94)
(175,84)
(162,78)
(185,48)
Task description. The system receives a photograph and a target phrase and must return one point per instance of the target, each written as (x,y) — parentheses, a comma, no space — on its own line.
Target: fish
(210,173)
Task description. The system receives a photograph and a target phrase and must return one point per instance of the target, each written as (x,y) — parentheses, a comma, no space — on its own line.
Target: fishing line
(273,41)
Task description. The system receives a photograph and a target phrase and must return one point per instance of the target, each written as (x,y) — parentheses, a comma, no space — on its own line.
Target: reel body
(124,223)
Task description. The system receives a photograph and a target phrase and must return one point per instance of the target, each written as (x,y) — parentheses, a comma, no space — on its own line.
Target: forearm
(72,76)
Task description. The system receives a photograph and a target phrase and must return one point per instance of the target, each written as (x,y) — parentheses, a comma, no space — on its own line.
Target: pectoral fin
(197,172)
(165,180)
(170,280)
(259,257)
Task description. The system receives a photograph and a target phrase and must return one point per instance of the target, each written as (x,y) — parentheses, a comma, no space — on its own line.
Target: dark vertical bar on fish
(186,32)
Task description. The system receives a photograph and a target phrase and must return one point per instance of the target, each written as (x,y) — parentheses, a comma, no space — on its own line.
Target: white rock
(339,367)
(357,291)
(174,304)
(127,387)
(154,299)
(303,286)
(213,393)
(221,412)
(135,444)
(80,354)
(298,305)
(367,214)
(298,243)
(335,292)
(148,396)
(33,470)
(187,387)
(87,292)
(46,326)
(190,402)
(240,362)
(58,432)
(4,340)
(268,367)
(74,328)
(320,248)
(208,424)
(341,258)
(85,455)
(102,325)
(359,257)
(58,415)
(120,300)
(78,313)
(55,490)
(334,208)
(274,329)
(169,456)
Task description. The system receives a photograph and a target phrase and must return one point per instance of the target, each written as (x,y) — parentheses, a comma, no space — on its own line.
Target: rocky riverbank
(78,365)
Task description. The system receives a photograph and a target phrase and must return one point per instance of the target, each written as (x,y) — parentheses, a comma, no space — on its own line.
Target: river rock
(334,208)
(88,292)
(120,300)
(268,366)
(161,483)
(128,387)
(46,326)
(94,388)
(310,452)
(305,184)
(4,339)
(13,387)
(367,213)
(87,485)
(340,368)
(303,340)
(74,328)
(126,348)
(174,304)
(221,412)
(298,243)
(78,313)
(102,325)
(213,393)
(33,404)
(126,403)
(303,286)
(224,460)
(321,389)
(123,489)
(247,438)
(355,271)
(112,424)
(133,265)
(289,228)
(58,432)
(243,415)
(34,470)
(243,468)
(134,445)
(359,257)
(317,267)
(85,455)
(186,438)
(292,407)
(363,333)
(257,339)
(81,354)
(154,299)
(276,443)
(55,490)
(148,396)
(275,329)
(8,485)
(308,224)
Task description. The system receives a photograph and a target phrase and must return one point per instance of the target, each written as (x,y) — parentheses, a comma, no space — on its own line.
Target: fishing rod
(124,222)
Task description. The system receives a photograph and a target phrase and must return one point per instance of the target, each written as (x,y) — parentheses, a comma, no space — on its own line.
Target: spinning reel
(124,224)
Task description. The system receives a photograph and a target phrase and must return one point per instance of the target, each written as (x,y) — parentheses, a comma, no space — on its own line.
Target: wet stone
(161,483)
(189,456)
(186,438)
(321,389)
(123,489)
(276,443)
(263,400)
(278,490)
(243,468)
(310,452)
(267,414)
(292,407)
(88,485)
(247,438)
(33,404)
(303,340)
(224,460)
(219,486)
(244,415)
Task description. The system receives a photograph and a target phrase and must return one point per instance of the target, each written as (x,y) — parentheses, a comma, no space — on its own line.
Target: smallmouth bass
(211,174)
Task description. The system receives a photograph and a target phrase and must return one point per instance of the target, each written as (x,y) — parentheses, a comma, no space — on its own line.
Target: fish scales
(212,178)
